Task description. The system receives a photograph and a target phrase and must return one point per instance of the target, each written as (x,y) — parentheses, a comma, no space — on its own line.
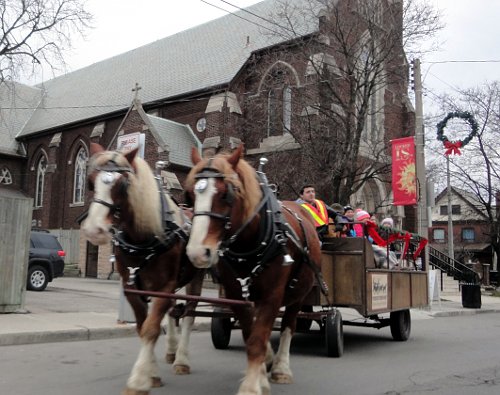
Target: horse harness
(155,245)
(275,231)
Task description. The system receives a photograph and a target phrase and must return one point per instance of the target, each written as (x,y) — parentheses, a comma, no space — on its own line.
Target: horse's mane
(144,198)
(246,184)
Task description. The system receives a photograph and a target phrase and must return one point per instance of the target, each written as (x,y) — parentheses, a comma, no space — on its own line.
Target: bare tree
(356,83)
(36,33)
(477,169)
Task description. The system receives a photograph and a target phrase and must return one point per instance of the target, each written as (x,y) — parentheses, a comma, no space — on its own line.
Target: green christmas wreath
(453,147)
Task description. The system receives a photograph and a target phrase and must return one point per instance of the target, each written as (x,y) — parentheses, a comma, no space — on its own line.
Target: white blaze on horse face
(201,254)
(96,226)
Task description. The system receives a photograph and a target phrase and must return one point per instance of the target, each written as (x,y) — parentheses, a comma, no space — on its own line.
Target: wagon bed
(348,269)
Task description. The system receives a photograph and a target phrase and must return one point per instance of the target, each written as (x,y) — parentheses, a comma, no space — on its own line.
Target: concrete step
(450,285)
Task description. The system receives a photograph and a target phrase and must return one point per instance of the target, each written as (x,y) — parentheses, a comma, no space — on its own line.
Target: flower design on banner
(453,147)
(406,181)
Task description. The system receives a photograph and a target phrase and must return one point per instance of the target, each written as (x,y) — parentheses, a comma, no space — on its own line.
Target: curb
(79,334)
(129,330)
(468,312)
(66,335)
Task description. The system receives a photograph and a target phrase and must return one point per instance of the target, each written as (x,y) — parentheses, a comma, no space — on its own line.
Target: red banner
(404,184)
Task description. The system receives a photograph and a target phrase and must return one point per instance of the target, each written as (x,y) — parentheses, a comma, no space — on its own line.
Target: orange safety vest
(319,213)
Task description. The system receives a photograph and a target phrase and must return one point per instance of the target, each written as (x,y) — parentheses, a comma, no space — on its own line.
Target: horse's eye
(107,177)
(201,185)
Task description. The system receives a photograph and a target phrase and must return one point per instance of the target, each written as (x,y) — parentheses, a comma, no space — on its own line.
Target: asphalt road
(445,356)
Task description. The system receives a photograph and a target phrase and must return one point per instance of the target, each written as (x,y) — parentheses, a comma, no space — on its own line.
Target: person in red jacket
(320,211)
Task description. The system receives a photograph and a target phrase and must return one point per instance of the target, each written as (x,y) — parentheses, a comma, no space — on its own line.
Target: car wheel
(38,278)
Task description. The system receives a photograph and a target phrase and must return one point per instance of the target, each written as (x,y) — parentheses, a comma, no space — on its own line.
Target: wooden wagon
(348,269)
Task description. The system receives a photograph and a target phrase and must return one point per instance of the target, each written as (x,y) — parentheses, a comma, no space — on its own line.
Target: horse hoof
(182,369)
(281,378)
(170,358)
(130,391)
(156,382)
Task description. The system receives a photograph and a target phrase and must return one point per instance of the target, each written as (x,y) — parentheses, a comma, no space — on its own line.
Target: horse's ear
(195,156)
(95,148)
(130,156)
(235,156)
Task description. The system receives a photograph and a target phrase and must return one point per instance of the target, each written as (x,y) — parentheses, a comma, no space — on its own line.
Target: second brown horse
(265,251)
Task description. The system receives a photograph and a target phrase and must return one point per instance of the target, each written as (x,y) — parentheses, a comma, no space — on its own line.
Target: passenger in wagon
(349,214)
(320,211)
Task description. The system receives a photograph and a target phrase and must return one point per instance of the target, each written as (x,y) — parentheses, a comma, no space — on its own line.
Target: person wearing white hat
(387,222)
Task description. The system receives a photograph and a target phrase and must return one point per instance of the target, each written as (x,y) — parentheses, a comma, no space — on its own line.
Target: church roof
(17,105)
(176,138)
(204,57)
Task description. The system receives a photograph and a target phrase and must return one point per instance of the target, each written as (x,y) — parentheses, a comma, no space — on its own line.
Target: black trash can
(471,296)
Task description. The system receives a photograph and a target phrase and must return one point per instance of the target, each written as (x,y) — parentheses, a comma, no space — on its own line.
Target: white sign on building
(127,142)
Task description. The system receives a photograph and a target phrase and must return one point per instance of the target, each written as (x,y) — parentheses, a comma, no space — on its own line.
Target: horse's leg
(181,363)
(269,356)
(145,373)
(255,381)
(171,339)
(280,370)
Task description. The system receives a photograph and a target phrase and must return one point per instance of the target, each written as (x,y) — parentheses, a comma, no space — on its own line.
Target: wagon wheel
(400,322)
(304,324)
(334,334)
(221,330)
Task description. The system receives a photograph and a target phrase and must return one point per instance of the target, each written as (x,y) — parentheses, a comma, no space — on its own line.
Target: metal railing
(453,268)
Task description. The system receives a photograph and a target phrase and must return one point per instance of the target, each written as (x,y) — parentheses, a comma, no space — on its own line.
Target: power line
(462,61)
(239,16)
(258,16)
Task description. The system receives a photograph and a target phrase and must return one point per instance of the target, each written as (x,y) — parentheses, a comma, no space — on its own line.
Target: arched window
(272,113)
(279,111)
(5,176)
(80,175)
(40,181)
(287,109)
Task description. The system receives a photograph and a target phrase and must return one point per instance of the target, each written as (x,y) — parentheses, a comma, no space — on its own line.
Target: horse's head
(221,197)
(108,177)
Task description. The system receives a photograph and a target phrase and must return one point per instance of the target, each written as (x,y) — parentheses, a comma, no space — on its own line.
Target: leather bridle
(112,167)
(210,172)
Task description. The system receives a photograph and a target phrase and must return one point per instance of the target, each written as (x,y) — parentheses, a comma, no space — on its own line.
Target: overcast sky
(472,33)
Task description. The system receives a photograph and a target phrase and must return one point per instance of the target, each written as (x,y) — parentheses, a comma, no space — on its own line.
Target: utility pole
(451,248)
(420,153)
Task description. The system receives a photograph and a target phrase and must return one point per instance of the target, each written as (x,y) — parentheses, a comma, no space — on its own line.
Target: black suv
(46,260)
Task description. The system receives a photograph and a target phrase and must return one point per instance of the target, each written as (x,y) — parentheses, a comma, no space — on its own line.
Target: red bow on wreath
(452,148)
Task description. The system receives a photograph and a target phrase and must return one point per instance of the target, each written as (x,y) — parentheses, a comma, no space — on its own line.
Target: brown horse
(148,232)
(266,251)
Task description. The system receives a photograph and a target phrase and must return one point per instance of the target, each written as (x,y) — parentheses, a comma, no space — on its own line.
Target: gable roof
(468,198)
(17,105)
(206,56)
(176,138)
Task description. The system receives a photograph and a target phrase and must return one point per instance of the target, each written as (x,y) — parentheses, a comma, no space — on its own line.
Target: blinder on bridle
(107,177)
(201,185)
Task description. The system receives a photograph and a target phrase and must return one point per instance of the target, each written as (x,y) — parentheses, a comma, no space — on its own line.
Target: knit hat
(387,221)
(347,208)
(361,215)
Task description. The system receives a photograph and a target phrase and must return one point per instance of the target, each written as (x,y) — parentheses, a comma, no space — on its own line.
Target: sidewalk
(75,309)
